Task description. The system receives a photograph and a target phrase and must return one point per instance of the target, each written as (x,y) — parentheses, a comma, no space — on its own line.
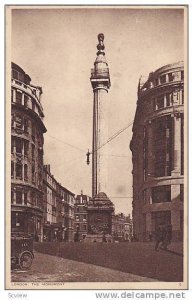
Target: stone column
(14,196)
(175,211)
(100,80)
(23,198)
(148,222)
(150,167)
(102,152)
(177,144)
(175,221)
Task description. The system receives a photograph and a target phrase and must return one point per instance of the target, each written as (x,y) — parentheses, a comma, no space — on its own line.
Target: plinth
(100,209)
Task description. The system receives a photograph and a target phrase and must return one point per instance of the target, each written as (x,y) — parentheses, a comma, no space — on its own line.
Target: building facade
(121,227)
(27,142)
(81,215)
(157,147)
(58,209)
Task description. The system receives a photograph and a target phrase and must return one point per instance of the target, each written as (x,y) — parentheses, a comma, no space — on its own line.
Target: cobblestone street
(55,269)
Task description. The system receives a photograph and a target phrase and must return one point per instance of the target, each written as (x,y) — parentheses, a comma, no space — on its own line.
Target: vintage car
(21,251)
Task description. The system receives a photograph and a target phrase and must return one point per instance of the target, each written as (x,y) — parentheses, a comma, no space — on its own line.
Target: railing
(31,91)
(100,73)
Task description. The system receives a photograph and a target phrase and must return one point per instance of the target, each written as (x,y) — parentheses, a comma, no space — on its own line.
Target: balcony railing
(32,91)
(100,73)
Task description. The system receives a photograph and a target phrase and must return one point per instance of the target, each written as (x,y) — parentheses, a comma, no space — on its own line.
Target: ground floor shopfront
(27,221)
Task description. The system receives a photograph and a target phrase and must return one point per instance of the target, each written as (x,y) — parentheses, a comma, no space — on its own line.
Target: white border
(86,294)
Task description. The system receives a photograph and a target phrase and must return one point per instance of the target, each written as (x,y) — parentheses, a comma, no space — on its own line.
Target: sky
(57,48)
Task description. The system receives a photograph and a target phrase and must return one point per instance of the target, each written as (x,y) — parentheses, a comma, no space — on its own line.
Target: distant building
(27,142)
(158,153)
(121,227)
(58,209)
(81,215)
(128,229)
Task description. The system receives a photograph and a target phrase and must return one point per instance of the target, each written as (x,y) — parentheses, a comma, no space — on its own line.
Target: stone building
(27,141)
(58,209)
(157,149)
(128,228)
(121,227)
(81,215)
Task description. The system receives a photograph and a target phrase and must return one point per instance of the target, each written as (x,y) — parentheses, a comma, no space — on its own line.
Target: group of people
(163,236)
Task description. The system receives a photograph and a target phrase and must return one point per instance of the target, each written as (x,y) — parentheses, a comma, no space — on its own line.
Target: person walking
(158,237)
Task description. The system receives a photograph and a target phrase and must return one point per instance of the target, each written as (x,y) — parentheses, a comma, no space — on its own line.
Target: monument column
(100,207)
(100,80)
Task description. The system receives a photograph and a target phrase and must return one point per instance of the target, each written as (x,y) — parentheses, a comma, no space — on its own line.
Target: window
(11,95)
(181,192)
(25,198)
(25,172)
(156,81)
(12,197)
(163,79)
(25,100)
(169,99)
(170,77)
(84,217)
(18,97)
(18,145)
(15,74)
(18,171)
(33,173)
(33,133)
(33,198)
(182,96)
(162,132)
(182,75)
(18,122)
(160,101)
(26,148)
(17,221)
(26,125)
(18,197)
(12,120)
(12,169)
(84,227)
(144,196)
(161,194)
(77,218)
(12,144)
(33,151)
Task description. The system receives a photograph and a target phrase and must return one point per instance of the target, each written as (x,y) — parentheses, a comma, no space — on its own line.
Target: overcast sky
(57,48)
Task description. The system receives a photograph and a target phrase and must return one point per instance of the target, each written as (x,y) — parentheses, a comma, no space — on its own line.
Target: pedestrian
(104,238)
(158,237)
(168,237)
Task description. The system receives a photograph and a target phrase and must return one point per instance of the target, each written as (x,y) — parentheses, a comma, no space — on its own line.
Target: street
(50,268)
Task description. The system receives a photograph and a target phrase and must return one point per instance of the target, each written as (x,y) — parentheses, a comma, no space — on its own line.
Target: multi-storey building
(58,209)
(118,226)
(128,229)
(27,141)
(81,215)
(158,153)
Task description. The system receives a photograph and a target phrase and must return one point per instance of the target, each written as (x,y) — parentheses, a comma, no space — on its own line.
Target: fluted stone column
(100,81)
(177,145)
(150,150)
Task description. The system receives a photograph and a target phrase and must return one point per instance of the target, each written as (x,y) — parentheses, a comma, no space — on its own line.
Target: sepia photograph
(96,147)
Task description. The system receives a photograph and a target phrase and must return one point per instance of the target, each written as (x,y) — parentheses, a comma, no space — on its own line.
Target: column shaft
(177,145)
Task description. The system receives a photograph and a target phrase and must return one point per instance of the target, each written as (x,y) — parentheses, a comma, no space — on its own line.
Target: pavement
(49,268)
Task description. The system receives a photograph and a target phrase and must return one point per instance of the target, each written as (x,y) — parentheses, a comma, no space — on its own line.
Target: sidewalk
(48,268)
